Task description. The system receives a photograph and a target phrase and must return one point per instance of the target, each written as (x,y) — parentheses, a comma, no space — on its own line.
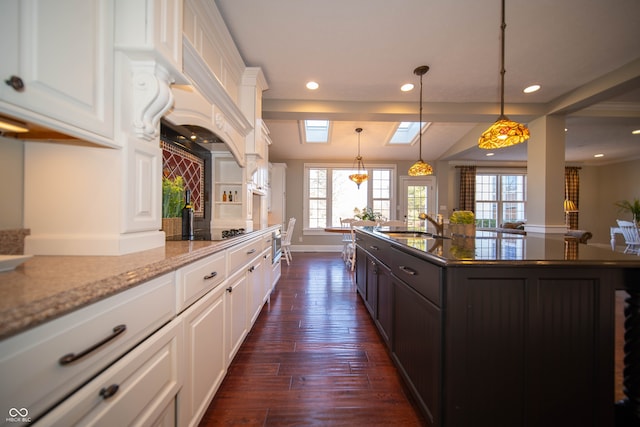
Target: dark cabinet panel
(384,317)
(417,346)
(361,272)
(422,276)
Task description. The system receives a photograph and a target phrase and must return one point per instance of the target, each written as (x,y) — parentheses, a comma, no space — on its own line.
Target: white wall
(11,183)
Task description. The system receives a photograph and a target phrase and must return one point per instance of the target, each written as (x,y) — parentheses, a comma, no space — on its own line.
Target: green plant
(632,207)
(462,217)
(172,193)
(367,214)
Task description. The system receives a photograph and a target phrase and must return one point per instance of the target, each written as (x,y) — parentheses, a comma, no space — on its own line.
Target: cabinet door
(371,281)
(64,62)
(384,310)
(205,355)
(256,289)
(361,272)
(236,313)
(417,346)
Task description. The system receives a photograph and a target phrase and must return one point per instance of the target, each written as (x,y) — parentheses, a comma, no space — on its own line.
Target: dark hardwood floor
(314,357)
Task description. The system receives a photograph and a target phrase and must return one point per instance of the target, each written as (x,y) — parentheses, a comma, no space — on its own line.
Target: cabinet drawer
(33,373)
(243,254)
(138,389)
(421,275)
(195,280)
(379,248)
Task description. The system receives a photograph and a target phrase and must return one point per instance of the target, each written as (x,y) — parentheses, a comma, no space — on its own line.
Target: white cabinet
(44,364)
(256,283)
(152,28)
(196,279)
(59,68)
(236,327)
(205,358)
(139,389)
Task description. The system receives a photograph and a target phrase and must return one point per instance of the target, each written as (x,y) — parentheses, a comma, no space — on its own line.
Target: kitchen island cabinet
(522,337)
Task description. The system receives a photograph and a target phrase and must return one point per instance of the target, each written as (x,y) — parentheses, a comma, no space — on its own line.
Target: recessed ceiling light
(312,85)
(598,155)
(635,132)
(531,89)
(406,87)
(490,154)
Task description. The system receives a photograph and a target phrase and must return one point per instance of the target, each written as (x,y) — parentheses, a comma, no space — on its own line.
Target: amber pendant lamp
(504,132)
(361,175)
(420,168)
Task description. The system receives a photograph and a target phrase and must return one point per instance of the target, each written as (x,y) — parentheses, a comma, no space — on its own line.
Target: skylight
(406,133)
(316,131)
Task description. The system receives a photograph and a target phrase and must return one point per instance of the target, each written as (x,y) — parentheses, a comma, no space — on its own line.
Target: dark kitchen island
(503,329)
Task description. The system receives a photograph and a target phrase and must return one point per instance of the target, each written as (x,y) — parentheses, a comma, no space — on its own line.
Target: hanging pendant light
(420,168)
(361,175)
(504,132)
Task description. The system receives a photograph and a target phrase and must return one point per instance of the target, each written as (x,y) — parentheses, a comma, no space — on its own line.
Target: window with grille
(500,198)
(331,195)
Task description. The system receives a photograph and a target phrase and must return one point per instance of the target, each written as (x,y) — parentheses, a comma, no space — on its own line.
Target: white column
(545,174)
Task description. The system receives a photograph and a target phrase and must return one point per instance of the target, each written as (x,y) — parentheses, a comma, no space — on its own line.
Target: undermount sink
(410,234)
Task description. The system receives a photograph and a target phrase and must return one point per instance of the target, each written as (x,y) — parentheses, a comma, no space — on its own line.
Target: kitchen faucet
(438,225)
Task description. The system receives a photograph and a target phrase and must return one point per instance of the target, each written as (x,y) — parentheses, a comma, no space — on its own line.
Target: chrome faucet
(438,225)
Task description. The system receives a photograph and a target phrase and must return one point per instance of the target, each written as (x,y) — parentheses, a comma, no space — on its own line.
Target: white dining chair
(631,236)
(351,260)
(286,241)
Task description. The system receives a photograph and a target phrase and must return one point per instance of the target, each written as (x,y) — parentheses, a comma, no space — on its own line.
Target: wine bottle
(187,218)
(224,196)
(230,196)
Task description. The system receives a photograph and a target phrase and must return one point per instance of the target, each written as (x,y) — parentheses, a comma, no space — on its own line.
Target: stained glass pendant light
(420,168)
(504,132)
(361,175)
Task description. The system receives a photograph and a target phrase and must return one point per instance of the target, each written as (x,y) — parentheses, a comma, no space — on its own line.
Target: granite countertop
(46,287)
(506,249)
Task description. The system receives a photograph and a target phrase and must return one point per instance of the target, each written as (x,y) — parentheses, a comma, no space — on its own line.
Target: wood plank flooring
(314,357)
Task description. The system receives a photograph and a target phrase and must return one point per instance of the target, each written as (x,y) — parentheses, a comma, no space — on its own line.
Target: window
(500,198)
(330,195)
(316,131)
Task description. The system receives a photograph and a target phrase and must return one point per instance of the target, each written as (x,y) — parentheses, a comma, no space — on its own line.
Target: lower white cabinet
(205,360)
(256,279)
(236,327)
(139,389)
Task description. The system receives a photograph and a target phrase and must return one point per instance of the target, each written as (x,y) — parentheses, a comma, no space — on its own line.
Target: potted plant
(632,207)
(172,198)
(462,223)
(367,214)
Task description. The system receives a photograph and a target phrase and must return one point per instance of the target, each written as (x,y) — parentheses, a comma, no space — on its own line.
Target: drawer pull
(107,392)
(375,248)
(252,268)
(407,270)
(230,289)
(72,357)
(210,276)
(251,251)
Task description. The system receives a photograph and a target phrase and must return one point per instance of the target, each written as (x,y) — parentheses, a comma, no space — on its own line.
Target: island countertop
(46,287)
(506,249)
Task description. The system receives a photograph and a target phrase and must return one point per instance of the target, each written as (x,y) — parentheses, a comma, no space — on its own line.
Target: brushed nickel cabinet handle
(251,251)
(72,357)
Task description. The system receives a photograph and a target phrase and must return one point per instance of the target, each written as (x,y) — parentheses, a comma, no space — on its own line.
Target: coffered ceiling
(584,53)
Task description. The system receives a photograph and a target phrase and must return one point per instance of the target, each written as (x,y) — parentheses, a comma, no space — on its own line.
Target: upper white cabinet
(57,66)
(152,29)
